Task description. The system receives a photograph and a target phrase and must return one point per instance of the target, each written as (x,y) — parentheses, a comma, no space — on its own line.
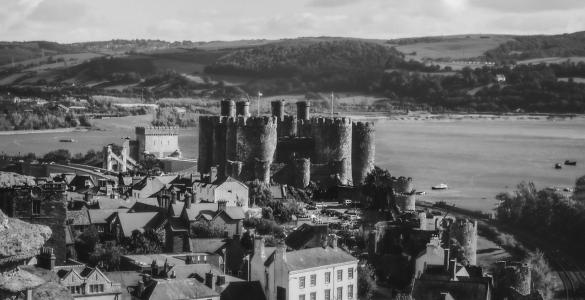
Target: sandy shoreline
(56,130)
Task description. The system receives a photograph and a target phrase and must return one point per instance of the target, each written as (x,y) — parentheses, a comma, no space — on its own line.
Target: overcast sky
(198,20)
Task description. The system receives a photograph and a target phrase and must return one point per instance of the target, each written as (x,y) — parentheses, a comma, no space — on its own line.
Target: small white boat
(440,186)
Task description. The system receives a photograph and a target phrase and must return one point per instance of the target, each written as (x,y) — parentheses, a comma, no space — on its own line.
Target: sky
(197,20)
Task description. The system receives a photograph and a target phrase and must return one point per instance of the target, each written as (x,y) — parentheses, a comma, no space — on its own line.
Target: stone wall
(160,141)
(465,232)
(363,151)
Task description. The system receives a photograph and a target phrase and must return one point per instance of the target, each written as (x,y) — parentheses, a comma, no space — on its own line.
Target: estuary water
(476,158)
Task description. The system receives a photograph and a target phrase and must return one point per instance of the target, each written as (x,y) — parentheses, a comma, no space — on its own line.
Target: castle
(255,148)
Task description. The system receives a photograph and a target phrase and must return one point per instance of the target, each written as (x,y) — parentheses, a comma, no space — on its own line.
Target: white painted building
(234,192)
(323,273)
(433,255)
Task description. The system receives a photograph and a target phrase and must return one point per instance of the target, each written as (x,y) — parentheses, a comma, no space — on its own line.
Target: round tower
(219,154)
(363,150)
(333,143)
(513,275)
(465,232)
(262,170)
(303,110)
(228,108)
(403,185)
(302,172)
(405,202)
(243,108)
(277,107)
(256,139)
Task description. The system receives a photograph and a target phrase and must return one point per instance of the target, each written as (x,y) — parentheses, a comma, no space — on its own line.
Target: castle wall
(333,142)
(287,127)
(256,141)
(363,150)
(465,232)
(513,275)
(219,154)
(288,148)
(277,109)
(406,202)
(301,172)
(243,108)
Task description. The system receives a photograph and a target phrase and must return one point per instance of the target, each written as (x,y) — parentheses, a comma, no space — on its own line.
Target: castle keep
(249,148)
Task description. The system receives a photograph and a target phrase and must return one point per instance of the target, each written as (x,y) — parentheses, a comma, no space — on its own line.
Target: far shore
(56,130)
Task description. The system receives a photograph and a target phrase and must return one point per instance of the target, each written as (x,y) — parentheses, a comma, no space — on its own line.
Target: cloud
(330,3)
(58,11)
(528,6)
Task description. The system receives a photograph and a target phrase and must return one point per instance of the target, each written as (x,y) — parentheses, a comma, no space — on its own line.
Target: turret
(363,150)
(228,108)
(303,110)
(243,108)
(302,172)
(277,108)
(465,232)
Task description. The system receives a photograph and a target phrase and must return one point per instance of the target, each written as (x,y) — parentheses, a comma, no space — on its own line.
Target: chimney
(154,268)
(209,282)
(220,280)
(140,289)
(212,174)
(188,200)
(446,259)
(52,260)
(280,253)
(452,268)
(193,197)
(173,197)
(221,205)
(333,241)
(259,247)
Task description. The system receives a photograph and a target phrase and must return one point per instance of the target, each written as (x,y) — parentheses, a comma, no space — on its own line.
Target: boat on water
(558,166)
(67,140)
(570,163)
(440,186)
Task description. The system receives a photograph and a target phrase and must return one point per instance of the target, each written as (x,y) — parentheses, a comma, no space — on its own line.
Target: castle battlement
(258,121)
(157,130)
(324,121)
(364,126)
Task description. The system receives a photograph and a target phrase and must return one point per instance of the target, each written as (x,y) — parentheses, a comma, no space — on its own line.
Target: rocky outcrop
(9,179)
(18,238)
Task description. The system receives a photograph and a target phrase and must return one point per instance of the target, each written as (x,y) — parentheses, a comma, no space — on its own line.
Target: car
(347,202)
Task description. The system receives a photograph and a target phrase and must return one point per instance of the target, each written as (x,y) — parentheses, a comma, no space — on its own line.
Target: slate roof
(210,210)
(109,203)
(151,185)
(78,217)
(178,289)
(137,221)
(211,245)
(100,216)
(315,257)
(307,236)
(243,290)
(463,288)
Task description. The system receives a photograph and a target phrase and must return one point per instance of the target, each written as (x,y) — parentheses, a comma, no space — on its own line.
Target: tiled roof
(136,221)
(109,203)
(469,289)
(235,212)
(178,289)
(316,257)
(196,208)
(210,210)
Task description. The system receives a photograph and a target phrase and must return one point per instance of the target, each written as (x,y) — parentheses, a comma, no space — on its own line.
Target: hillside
(540,46)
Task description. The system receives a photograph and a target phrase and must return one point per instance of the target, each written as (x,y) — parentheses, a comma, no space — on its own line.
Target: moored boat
(570,163)
(440,186)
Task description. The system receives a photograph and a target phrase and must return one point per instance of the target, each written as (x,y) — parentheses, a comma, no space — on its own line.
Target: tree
(204,229)
(58,156)
(107,256)
(87,241)
(366,283)
(144,243)
(259,193)
(541,273)
(377,186)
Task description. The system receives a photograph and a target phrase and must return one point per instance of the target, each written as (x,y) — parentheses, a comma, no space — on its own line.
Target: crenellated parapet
(158,130)
(288,127)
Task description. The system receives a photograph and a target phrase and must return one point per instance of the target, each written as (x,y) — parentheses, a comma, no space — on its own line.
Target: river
(476,158)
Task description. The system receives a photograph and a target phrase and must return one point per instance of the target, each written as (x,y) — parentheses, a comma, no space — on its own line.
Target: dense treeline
(526,47)
(531,88)
(544,213)
(41,119)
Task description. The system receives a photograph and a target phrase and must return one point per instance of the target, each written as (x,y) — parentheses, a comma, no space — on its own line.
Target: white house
(326,272)
(234,192)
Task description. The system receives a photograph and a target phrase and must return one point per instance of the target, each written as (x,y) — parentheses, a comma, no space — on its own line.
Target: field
(552,60)
(452,47)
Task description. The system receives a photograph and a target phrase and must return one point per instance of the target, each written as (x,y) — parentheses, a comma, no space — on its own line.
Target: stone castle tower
(465,232)
(160,141)
(246,147)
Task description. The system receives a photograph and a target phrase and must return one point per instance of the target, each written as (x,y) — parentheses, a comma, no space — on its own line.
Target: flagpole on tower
(332,104)
(258,103)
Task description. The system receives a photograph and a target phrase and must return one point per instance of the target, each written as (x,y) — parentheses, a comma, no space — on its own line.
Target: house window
(350,291)
(339,275)
(327,294)
(350,273)
(327,277)
(302,297)
(313,280)
(313,296)
(339,293)
(96,288)
(302,282)
(36,207)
